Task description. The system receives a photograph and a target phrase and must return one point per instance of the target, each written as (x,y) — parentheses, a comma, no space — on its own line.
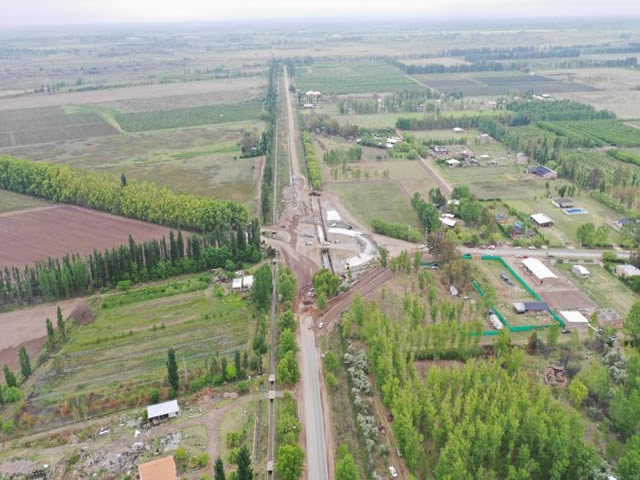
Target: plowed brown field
(30,235)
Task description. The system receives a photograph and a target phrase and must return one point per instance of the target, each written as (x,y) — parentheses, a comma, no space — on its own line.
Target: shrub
(154,396)
(243,386)
(181,457)
(331,381)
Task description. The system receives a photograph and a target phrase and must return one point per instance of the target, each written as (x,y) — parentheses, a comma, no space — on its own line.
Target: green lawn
(382,200)
(604,288)
(11,201)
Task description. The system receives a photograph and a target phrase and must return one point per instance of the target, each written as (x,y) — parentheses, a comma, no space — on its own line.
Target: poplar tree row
(75,275)
(143,201)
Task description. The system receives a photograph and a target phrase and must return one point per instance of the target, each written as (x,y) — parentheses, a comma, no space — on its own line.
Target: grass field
(494,83)
(127,344)
(11,201)
(565,226)
(352,77)
(188,117)
(603,288)
(200,160)
(382,200)
(51,124)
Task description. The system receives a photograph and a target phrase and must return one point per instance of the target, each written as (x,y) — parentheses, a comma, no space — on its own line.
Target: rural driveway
(442,183)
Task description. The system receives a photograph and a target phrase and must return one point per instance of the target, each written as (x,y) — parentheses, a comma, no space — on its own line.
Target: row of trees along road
(152,260)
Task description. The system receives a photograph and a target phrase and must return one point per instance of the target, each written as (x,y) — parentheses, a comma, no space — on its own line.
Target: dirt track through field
(30,235)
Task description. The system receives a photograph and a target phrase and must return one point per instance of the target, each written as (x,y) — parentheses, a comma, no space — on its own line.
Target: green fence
(520,328)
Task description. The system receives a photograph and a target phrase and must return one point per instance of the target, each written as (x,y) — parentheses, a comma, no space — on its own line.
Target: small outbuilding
(627,271)
(236,285)
(163,411)
(452,162)
(440,149)
(458,130)
(449,222)
(565,202)
(158,469)
(530,307)
(541,220)
(580,271)
(574,317)
(544,172)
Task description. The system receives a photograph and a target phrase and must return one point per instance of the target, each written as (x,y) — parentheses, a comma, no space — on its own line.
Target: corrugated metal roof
(574,317)
(538,268)
(536,306)
(161,409)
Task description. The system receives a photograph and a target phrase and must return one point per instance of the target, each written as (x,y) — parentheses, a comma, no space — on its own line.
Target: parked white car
(393,471)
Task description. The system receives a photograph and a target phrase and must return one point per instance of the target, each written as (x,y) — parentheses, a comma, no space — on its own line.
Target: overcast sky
(65,12)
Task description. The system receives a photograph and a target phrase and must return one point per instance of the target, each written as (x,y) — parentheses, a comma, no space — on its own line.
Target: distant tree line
(143,201)
(74,275)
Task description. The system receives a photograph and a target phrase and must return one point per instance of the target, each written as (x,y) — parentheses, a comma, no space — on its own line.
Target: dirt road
(442,183)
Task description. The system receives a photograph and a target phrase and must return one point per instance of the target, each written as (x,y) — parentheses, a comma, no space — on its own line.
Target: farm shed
(580,271)
(574,317)
(159,469)
(538,269)
(627,271)
(236,285)
(530,307)
(452,162)
(541,220)
(449,222)
(247,282)
(565,202)
(161,411)
(440,149)
(544,172)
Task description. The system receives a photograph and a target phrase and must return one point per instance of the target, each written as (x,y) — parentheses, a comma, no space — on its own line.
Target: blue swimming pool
(575,211)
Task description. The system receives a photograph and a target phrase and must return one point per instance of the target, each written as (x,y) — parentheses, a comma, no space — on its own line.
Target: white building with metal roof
(538,269)
(162,411)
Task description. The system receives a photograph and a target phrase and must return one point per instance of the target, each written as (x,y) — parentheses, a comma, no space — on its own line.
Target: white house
(627,271)
(580,271)
(162,411)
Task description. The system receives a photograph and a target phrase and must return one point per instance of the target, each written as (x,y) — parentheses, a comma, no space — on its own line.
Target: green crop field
(11,201)
(604,288)
(613,132)
(129,338)
(353,77)
(382,200)
(188,117)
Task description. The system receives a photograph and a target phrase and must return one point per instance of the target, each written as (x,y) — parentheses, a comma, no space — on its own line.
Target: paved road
(561,253)
(316,447)
(272,369)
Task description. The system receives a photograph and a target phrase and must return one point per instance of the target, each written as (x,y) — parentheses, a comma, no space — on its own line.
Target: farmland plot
(12,201)
(188,117)
(127,344)
(354,77)
(53,124)
(33,235)
(492,84)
